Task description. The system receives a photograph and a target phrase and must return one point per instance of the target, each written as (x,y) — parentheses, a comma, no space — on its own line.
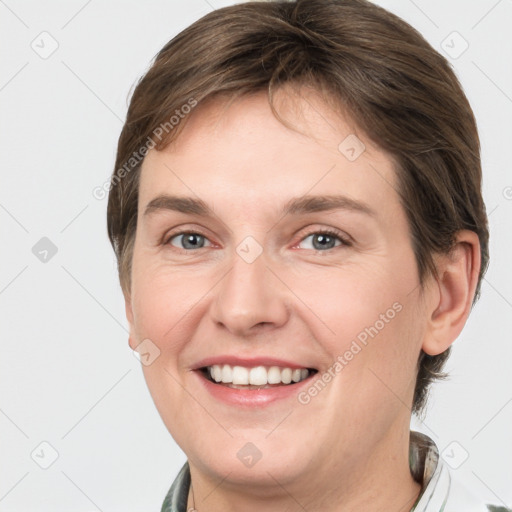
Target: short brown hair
(401,93)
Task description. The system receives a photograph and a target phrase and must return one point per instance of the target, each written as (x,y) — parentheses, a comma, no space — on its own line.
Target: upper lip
(248,362)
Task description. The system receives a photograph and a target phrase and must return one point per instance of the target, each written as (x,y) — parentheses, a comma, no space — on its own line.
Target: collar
(428,470)
(438,490)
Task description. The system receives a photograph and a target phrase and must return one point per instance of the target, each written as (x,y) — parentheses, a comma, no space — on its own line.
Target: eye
(318,240)
(323,240)
(188,240)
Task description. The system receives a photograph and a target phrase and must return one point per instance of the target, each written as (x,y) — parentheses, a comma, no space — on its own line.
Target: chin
(257,463)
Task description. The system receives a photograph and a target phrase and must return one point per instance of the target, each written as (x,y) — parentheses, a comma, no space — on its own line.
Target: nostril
(262,325)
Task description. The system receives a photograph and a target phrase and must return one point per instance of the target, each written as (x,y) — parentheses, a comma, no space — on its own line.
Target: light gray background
(67,374)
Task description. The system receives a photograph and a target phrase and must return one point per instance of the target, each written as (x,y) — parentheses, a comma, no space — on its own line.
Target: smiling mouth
(258,377)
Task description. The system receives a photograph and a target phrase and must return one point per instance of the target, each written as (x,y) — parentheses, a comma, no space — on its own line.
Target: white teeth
(227,373)
(216,373)
(296,375)
(286,375)
(240,375)
(257,376)
(274,375)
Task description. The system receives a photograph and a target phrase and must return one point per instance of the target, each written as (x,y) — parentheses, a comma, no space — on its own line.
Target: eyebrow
(295,206)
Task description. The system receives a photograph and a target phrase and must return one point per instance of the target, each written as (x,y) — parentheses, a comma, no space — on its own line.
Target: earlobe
(456,283)
(132,342)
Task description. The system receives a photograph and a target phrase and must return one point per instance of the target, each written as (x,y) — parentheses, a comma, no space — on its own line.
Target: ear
(454,289)
(132,340)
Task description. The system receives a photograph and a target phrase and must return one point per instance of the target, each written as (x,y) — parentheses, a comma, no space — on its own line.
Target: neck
(381,481)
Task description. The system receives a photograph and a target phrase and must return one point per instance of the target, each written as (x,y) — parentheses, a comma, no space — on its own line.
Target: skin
(347,449)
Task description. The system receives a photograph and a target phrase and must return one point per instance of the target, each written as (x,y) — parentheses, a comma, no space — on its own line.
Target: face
(261,247)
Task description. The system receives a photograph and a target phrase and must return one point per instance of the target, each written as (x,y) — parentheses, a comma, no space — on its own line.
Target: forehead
(237,153)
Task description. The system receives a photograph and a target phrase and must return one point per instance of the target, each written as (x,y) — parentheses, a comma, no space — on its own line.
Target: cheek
(162,302)
(382,375)
(371,325)
(352,302)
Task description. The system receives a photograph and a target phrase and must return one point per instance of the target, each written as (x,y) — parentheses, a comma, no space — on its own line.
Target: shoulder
(176,498)
(462,499)
(442,491)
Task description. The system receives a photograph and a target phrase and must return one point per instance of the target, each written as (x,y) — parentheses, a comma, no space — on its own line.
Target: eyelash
(329,232)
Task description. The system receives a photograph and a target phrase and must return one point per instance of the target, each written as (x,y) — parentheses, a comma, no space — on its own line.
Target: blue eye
(320,240)
(189,240)
(323,240)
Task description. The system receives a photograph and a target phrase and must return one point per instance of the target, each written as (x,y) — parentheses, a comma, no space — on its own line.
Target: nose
(250,298)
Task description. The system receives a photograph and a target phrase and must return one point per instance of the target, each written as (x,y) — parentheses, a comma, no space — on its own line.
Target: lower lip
(252,397)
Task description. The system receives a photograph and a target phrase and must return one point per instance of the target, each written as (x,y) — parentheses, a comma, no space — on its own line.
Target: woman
(296,210)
